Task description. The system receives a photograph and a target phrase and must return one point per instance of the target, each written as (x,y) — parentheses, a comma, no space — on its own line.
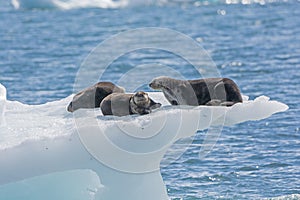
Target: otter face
(158,83)
(141,103)
(70,107)
(141,98)
(77,100)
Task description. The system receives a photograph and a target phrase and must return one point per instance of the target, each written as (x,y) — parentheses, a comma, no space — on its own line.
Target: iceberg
(2,104)
(124,152)
(67,4)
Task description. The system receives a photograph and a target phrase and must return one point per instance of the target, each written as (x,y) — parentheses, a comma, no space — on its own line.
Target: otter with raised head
(209,91)
(92,97)
(128,104)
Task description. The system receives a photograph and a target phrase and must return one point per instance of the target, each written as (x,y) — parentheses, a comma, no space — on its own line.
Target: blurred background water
(254,42)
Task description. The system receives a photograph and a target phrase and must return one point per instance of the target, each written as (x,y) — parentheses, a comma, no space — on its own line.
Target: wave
(286,197)
(113,4)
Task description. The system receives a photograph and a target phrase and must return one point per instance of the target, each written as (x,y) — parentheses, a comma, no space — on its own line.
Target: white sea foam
(285,197)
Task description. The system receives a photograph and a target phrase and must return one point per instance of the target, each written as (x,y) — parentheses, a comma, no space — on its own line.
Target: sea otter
(209,91)
(119,104)
(92,97)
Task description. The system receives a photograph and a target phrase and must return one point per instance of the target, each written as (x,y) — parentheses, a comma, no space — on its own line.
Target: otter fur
(209,91)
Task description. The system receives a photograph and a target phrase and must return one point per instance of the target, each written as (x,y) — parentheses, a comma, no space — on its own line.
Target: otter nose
(150,84)
(70,107)
(139,94)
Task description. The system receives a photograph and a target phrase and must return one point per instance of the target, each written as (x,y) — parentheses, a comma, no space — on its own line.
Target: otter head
(159,82)
(141,99)
(77,100)
(142,104)
(176,91)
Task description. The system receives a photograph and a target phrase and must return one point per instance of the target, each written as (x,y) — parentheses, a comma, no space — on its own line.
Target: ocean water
(256,43)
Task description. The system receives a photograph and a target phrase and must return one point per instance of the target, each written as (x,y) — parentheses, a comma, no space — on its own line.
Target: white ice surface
(2,104)
(125,152)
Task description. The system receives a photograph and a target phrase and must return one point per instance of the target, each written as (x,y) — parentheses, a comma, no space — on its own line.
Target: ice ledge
(260,108)
(2,105)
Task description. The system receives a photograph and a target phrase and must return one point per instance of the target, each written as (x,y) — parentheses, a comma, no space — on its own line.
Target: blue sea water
(255,44)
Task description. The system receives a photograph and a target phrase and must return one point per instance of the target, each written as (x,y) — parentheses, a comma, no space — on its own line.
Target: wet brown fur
(210,91)
(92,97)
(128,104)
